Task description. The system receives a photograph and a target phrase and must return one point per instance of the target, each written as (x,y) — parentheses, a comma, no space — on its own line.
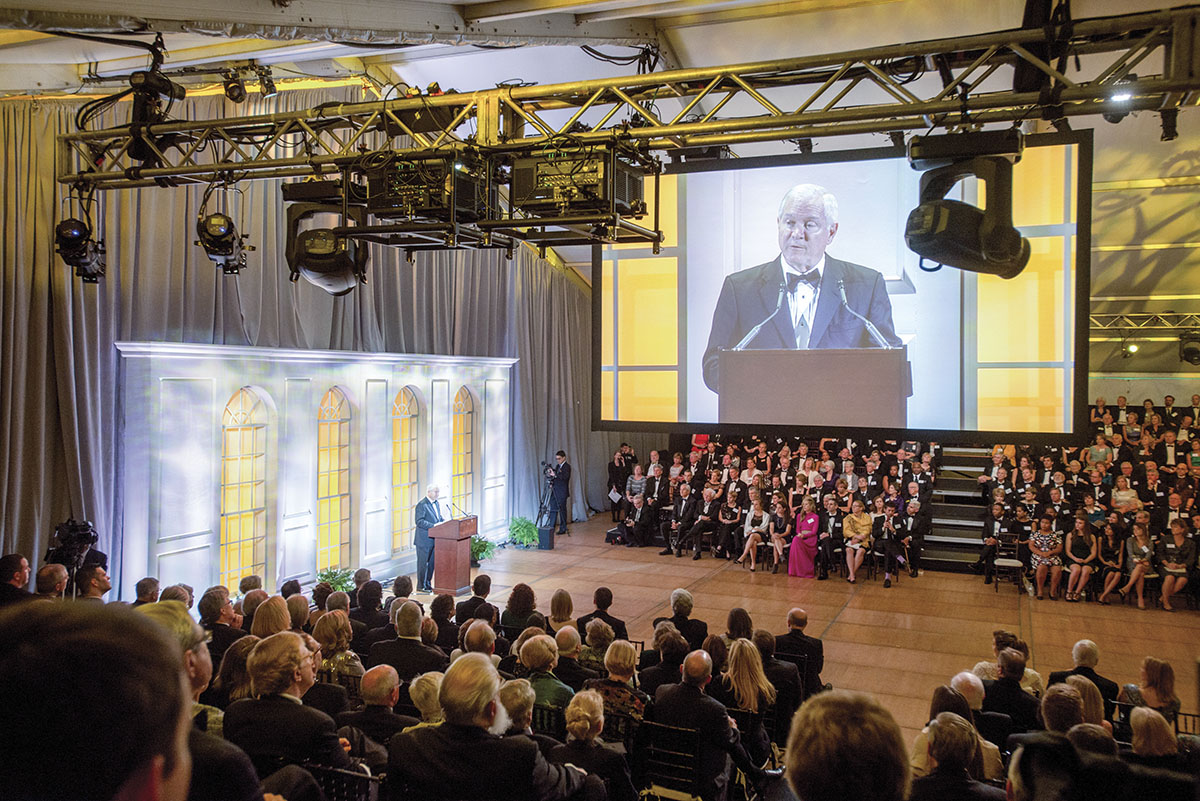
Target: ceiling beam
(353,21)
(515,9)
(669,10)
(38,78)
(758,11)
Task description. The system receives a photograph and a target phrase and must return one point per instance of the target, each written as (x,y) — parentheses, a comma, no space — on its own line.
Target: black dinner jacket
(749,296)
(687,707)
(693,630)
(1006,695)
(618,626)
(1109,690)
(379,723)
(465,762)
(685,510)
(785,678)
(939,786)
(274,727)
(409,657)
(797,642)
(656,492)
(573,674)
(465,610)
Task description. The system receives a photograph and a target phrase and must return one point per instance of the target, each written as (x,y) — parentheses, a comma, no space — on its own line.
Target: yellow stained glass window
(406,414)
(243,536)
(333,481)
(462,471)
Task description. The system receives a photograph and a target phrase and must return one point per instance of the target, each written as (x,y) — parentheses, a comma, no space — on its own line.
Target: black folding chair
(668,763)
(344,785)
(620,728)
(550,721)
(1187,723)
(801,663)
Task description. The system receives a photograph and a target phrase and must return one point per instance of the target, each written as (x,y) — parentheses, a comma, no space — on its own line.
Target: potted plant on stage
(481,548)
(341,580)
(522,532)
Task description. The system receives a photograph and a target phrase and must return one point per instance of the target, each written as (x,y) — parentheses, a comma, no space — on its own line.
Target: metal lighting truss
(900,87)
(1166,322)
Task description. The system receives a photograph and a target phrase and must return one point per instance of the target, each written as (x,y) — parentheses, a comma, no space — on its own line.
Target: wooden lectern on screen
(452,554)
(863,387)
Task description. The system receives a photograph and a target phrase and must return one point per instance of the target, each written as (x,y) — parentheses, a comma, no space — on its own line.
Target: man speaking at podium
(802,299)
(428,514)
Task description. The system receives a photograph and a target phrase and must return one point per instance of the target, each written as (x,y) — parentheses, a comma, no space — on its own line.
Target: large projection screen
(989,359)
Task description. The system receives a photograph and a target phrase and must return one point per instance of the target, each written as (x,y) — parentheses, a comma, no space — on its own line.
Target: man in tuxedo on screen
(428,514)
(807,288)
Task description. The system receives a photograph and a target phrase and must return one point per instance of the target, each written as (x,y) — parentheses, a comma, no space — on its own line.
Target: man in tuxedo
(638,523)
(380,691)
(276,726)
(428,514)
(14,578)
(913,528)
(805,286)
(706,522)
(683,517)
(830,538)
(1085,655)
(995,526)
(694,631)
(686,706)
(217,615)
(1005,694)
(1169,453)
(603,600)
(407,654)
(480,587)
(797,642)
(466,758)
(657,493)
(1170,415)
(568,670)
(560,490)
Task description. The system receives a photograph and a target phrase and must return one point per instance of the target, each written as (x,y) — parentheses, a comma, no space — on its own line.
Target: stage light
(1169,117)
(955,233)
(219,237)
(327,260)
(73,241)
(1128,349)
(235,87)
(266,83)
(315,251)
(1121,93)
(1189,347)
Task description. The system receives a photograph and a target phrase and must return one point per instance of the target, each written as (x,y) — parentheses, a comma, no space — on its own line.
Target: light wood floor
(897,644)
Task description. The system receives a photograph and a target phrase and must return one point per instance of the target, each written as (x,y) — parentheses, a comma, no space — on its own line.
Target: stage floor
(897,644)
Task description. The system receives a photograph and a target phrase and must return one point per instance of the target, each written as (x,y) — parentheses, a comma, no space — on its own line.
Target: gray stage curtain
(58,420)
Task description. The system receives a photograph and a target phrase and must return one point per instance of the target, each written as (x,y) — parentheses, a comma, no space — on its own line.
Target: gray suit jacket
(749,296)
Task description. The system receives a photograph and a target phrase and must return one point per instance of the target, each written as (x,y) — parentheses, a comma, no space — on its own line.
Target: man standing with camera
(560,489)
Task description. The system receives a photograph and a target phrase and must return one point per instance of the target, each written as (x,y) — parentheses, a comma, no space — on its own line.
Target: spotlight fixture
(321,254)
(1169,117)
(955,233)
(235,87)
(1189,347)
(1120,94)
(266,83)
(73,241)
(219,238)
(1128,349)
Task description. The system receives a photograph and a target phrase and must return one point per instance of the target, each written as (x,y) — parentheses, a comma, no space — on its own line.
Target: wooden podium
(452,554)
(864,387)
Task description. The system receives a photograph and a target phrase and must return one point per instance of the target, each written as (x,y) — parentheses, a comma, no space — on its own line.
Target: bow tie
(812,278)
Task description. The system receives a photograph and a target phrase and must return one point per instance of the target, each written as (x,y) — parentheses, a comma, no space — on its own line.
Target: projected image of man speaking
(804,298)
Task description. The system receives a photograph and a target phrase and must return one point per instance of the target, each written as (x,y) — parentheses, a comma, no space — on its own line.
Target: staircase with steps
(958,510)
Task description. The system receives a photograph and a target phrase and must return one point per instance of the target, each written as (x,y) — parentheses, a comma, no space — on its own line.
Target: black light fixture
(266,83)
(1189,347)
(235,87)
(73,241)
(1169,118)
(1128,349)
(322,256)
(955,233)
(1119,95)
(219,237)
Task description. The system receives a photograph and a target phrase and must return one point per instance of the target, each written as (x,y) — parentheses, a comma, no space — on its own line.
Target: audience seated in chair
(584,749)
(952,744)
(380,690)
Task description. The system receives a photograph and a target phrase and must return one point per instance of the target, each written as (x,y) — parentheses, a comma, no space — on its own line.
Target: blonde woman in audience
(583,749)
(333,632)
(599,637)
(620,697)
(744,685)
(755,530)
(562,610)
(1154,742)
(424,694)
(512,663)
(271,617)
(1155,689)
(297,606)
(1093,702)
(856,528)
(1031,681)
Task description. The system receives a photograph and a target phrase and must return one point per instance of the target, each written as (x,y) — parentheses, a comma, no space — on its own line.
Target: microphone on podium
(455,507)
(754,331)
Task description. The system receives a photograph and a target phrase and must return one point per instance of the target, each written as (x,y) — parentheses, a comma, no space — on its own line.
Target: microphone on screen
(880,340)
(754,331)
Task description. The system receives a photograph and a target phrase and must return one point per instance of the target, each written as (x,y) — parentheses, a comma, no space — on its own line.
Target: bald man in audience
(686,706)
(380,691)
(52,581)
(466,758)
(797,642)
(994,727)
(479,639)
(569,671)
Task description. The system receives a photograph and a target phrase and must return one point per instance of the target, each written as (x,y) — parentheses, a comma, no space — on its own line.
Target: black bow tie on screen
(812,278)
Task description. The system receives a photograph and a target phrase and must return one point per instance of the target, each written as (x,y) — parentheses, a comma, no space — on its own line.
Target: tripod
(547,511)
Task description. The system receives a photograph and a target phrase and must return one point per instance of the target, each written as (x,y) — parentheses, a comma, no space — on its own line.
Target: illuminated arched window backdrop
(333,481)
(243,544)
(406,416)
(462,477)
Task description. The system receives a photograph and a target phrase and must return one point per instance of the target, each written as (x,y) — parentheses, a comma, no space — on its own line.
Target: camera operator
(559,475)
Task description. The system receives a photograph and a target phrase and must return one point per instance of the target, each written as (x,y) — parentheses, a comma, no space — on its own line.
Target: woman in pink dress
(802,560)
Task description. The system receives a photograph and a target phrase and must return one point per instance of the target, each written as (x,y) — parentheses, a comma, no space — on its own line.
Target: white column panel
(376,481)
(296,549)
